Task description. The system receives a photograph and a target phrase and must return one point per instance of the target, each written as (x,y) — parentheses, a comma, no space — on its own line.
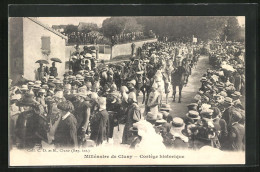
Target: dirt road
(188,93)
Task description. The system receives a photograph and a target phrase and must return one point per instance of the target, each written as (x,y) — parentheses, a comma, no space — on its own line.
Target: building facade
(29,41)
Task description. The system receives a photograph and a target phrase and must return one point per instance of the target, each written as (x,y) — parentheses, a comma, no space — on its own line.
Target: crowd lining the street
(82,38)
(93,98)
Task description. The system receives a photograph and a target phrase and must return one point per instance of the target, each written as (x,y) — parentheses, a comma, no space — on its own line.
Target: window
(46,45)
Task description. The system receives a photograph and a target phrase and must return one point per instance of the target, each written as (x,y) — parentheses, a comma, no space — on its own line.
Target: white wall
(32,33)
(125,49)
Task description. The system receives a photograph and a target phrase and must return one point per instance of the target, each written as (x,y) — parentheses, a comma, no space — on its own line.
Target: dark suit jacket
(100,127)
(236,137)
(66,133)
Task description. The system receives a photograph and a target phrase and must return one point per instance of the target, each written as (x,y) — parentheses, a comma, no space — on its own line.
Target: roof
(48,28)
(58,26)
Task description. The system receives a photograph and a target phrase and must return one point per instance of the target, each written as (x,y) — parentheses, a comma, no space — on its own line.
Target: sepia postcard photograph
(126,90)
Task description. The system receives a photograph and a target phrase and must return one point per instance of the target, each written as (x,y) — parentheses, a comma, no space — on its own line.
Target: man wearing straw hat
(100,123)
(228,112)
(175,138)
(82,113)
(133,115)
(236,136)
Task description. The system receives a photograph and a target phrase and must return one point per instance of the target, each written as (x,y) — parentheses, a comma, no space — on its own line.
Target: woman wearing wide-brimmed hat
(27,124)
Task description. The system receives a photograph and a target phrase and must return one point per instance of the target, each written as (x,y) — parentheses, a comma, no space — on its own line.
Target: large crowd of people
(93,98)
(83,38)
(133,36)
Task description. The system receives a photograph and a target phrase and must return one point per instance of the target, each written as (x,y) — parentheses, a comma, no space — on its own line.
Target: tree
(70,28)
(203,27)
(87,27)
(113,26)
(117,25)
(232,29)
(131,25)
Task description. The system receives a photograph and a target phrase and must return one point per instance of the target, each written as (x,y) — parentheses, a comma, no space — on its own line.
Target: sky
(98,20)
(71,20)
(241,20)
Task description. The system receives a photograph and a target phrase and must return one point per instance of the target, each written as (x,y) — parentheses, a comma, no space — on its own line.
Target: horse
(178,79)
(195,60)
(139,83)
(148,79)
(187,68)
(146,88)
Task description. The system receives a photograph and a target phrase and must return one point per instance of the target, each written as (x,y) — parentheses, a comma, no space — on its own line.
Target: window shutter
(46,43)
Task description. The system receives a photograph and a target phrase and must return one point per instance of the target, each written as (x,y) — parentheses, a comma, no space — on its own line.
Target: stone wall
(118,50)
(125,49)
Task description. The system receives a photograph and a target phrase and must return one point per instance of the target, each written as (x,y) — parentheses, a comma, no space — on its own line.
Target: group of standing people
(83,38)
(44,71)
(128,37)
(91,101)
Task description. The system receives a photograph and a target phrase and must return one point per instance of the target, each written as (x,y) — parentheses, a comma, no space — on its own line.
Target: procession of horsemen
(87,106)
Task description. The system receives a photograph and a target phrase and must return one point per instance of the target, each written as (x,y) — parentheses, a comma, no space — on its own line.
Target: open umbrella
(56,60)
(42,61)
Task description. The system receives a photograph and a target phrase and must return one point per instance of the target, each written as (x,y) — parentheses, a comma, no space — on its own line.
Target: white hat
(16,97)
(59,94)
(42,91)
(78,76)
(113,87)
(205,106)
(24,88)
(155,85)
(82,90)
(88,55)
(151,116)
(132,82)
(132,96)
(124,89)
(177,122)
(102,101)
(88,84)
(67,86)
(140,72)
(38,82)
(30,83)
(206,112)
(57,81)
(94,95)
(193,114)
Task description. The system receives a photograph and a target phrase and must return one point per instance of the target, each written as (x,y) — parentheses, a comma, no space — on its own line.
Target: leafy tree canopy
(117,25)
